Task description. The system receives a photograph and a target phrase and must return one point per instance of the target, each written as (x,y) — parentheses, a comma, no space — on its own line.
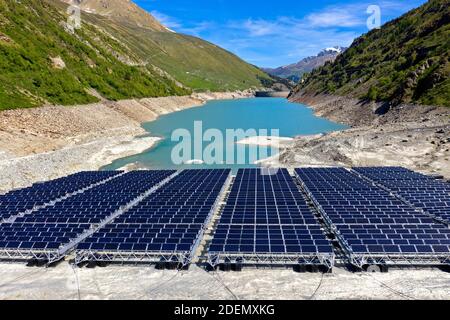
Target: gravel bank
(144,283)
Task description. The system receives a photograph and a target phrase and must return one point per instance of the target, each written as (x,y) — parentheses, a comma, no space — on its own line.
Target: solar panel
(368,219)
(149,216)
(57,226)
(265,214)
(39,194)
(430,195)
(166,225)
(397,238)
(281,239)
(143,238)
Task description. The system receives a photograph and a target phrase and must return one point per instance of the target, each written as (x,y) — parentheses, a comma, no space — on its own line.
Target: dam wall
(272,94)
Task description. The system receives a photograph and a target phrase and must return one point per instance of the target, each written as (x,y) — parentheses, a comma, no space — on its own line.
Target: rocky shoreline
(413,136)
(52,141)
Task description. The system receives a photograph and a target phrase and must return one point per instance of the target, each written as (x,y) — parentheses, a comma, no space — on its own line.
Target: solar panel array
(20,201)
(151,215)
(266,214)
(169,221)
(427,194)
(369,219)
(53,227)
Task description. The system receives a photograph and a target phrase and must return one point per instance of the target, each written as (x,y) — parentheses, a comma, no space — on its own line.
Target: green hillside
(31,34)
(407,60)
(196,63)
(118,59)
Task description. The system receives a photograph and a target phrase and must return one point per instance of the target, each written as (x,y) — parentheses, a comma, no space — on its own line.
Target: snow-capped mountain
(295,71)
(332,50)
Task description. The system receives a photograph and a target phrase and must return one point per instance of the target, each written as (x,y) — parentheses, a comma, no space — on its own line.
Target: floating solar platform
(391,244)
(165,227)
(266,221)
(39,195)
(49,233)
(382,216)
(372,225)
(37,241)
(422,192)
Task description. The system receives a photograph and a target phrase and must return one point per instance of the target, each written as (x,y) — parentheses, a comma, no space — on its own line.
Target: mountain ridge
(123,10)
(44,61)
(188,60)
(295,71)
(406,61)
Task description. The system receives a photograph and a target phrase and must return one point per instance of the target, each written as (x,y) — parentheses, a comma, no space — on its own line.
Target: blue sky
(271,34)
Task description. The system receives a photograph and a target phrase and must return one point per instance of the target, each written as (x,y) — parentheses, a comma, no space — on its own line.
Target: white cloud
(354,14)
(175,24)
(260,27)
(283,40)
(288,38)
(166,20)
(197,28)
(335,17)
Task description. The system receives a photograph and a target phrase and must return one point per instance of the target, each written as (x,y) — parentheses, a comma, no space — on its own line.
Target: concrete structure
(272,94)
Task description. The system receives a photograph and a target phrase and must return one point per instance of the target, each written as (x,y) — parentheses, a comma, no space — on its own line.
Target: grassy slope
(406,61)
(196,63)
(28,78)
(113,57)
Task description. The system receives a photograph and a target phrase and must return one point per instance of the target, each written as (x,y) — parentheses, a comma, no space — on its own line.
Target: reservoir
(291,119)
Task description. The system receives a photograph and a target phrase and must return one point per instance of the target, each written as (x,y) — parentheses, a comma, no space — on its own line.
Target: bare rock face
(296,70)
(58,63)
(4,38)
(124,10)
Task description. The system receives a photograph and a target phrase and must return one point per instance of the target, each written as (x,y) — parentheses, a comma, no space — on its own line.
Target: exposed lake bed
(119,137)
(49,142)
(261,119)
(412,136)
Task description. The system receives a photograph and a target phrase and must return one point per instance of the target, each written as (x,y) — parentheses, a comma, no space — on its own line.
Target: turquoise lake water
(291,119)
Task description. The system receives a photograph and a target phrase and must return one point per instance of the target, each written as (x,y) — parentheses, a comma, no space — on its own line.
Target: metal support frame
(132,257)
(412,260)
(51,256)
(271,259)
(315,259)
(182,258)
(399,197)
(359,260)
(55,201)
